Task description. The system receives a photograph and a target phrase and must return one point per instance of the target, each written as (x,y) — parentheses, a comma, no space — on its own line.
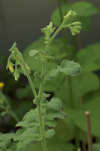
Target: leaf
(32,62)
(69,68)
(85,22)
(31,115)
(55,104)
(79,119)
(51,114)
(21,93)
(83,9)
(81,85)
(54,145)
(88,56)
(51,123)
(96,147)
(67,127)
(5,140)
(27,135)
(22,147)
(51,74)
(33,52)
(38,77)
(23,108)
(87,83)
(50,133)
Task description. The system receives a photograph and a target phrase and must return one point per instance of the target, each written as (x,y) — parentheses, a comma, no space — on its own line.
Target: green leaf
(27,135)
(31,115)
(79,119)
(54,145)
(33,52)
(96,147)
(23,108)
(38,77)
(51,114)
(81,85)
(5,140)
(21,93)
(51,123)
(69,68)
(34,63)
(50,133)
(88,56)
(83,9)
(88,82)
(51,74)
(22,147)
(55,104)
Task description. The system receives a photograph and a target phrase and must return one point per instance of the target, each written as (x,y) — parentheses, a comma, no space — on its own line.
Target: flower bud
(11,68)
(16,74)
(69,16)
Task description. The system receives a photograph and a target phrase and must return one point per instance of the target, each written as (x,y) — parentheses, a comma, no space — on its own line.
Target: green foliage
(69,68)
(42,63)
(38,123)
(84,10)
(87,57)
(48,31)
(96,147)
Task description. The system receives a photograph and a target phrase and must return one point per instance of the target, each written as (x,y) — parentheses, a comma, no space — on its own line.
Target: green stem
(39,96)
(70,92)
(74,47)
(28,76)
(41,126)
(52,38)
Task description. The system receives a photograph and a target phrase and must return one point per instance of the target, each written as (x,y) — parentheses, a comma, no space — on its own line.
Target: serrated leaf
(55,104)
(50,133)
(69,68)
(5,140)
(52,123)
(31,115)
(27,135)
(52,114)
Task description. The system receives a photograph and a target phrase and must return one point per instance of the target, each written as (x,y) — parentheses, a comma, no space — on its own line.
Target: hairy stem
(39,96)
(41,127)
(28,76)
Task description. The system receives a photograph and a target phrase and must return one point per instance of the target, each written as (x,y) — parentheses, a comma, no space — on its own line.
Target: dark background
(22,20)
